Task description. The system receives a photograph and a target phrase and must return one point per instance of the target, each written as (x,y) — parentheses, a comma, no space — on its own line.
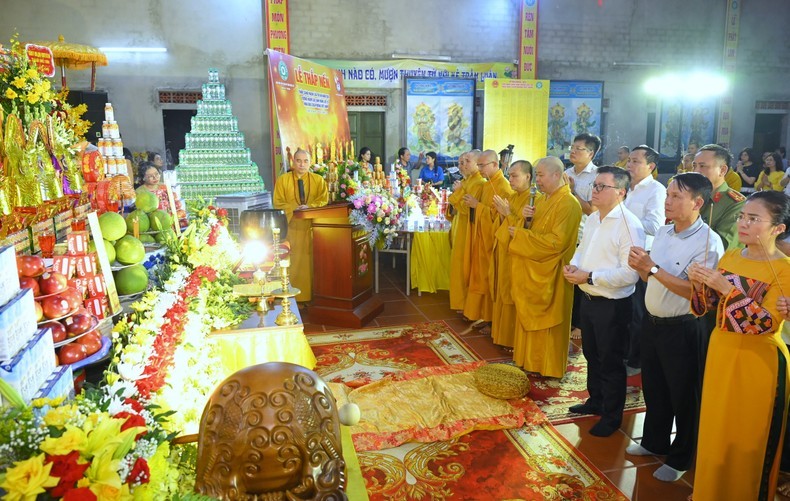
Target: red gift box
(96,286)
(79,284)
(64,265)
(86,265)
(77,243)
(98,306)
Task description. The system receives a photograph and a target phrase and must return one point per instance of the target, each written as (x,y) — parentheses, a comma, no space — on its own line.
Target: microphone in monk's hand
(300,182)
(533,192)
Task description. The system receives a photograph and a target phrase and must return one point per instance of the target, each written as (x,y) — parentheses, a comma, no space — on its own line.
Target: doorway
(367,129)
(177,123)
(767,131)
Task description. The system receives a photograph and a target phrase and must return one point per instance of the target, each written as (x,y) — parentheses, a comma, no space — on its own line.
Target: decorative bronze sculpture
(271,432)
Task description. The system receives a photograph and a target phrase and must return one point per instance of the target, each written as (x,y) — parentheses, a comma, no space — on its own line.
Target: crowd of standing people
(687,283)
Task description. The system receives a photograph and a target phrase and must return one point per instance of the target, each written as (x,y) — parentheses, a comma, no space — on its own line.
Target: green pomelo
(129,250)
(113,226)
(160,220)
(165,236)
(145,200)
(91,247)
(142,221)
(147,239)
(110,250)
(131,280)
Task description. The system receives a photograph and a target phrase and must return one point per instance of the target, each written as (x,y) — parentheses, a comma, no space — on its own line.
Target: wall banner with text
(515,113)
(528,40)
(731,33)
(310,103)
(390,74)
(575,107)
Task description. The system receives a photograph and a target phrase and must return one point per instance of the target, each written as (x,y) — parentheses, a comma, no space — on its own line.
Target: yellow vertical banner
(731,32)
(528,48)
(516,112)
(277,38)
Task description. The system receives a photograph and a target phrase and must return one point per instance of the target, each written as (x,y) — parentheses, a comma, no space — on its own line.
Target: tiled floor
(632,475)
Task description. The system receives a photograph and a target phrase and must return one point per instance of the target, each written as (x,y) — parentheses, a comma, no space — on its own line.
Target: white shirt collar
(647,180)
(616,213)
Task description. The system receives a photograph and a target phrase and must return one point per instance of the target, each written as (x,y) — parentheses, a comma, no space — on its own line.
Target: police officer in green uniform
(721,211)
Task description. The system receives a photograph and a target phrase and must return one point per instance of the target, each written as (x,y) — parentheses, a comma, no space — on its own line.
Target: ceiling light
(133,49)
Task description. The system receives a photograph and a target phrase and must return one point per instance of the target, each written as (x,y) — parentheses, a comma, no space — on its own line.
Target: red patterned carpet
(532,462)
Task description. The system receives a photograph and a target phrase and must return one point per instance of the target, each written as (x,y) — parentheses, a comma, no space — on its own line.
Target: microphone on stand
(300,182)
(533,191)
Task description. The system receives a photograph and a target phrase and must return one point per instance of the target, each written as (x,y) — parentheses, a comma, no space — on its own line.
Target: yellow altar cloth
(249,343)
(355,484)
(430,261)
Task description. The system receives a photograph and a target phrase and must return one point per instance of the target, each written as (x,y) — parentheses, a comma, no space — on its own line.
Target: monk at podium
(300,189)
(542,296)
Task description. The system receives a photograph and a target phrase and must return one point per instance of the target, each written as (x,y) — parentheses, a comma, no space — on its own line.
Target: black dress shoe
(602,429)
(584,409)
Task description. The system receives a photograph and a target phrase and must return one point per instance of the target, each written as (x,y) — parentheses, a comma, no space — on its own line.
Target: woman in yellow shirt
(772,174)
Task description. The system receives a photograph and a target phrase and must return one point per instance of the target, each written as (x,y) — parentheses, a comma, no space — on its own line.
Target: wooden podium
(342,269)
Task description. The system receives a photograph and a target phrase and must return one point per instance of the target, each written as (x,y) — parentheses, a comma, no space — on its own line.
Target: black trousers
(634,359)
(671,386)
(576,311)
(604,325)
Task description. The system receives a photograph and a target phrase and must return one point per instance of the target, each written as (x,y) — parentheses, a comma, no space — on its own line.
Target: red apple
(55,306)
(73,297)
(91,341)
(39,312)
(77,324)
(30,283)
(58,331)
(53,282)
(73,352)
(29,266)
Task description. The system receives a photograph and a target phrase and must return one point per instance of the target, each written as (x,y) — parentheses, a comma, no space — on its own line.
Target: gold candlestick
(286,316)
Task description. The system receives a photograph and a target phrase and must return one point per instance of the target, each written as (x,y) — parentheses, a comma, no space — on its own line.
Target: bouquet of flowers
(105,444)
(379,212)
(351,177)
(23,91)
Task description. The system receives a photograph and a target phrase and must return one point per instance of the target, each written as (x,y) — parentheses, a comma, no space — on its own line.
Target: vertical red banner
(528,48)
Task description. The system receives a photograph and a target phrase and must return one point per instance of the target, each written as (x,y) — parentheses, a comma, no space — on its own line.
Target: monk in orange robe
(503,324)
(460,234)
(542,296)
(479,305)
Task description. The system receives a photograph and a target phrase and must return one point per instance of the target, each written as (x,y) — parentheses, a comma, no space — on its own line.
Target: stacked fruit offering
(60,307)
(124,251)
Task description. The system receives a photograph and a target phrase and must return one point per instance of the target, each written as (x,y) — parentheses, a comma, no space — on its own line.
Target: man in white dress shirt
(671,336)
(581,177)
(600,268)
(646,202)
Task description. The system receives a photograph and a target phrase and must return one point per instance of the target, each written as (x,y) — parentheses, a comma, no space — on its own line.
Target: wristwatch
(589,279)
(653,270)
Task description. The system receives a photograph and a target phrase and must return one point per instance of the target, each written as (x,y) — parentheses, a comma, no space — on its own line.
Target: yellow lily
(73,439)
(27,479)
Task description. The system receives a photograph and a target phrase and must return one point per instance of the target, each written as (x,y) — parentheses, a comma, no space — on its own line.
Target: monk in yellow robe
(479,305)
(542,296)
(503,324)
(290,195)
(460,234)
